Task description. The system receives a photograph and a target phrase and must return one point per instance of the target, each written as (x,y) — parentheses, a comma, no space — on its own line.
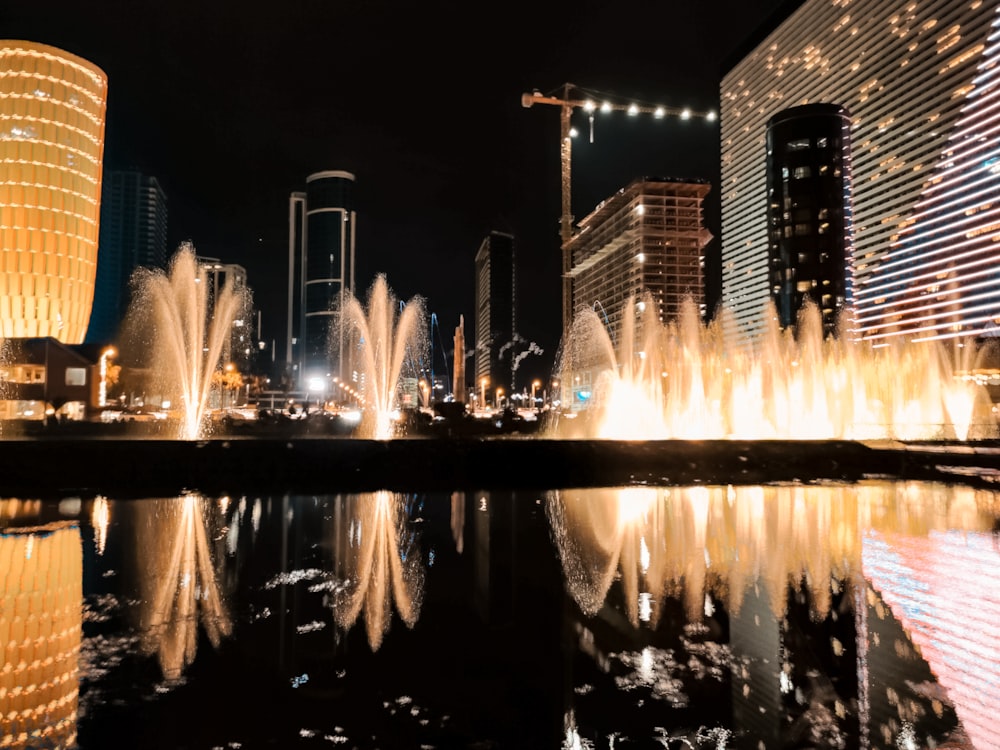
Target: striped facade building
(921,83)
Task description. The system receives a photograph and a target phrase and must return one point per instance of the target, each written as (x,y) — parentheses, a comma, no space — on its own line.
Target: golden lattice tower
(41,605)
(52,113)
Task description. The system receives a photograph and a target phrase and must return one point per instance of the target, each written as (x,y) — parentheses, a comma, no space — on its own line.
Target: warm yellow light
(52,114)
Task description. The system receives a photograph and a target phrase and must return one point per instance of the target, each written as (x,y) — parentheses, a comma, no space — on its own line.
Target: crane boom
(566,106)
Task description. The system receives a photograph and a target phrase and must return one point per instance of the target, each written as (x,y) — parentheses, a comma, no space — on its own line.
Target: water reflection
(793,616)
(377,557)
(177,580)
(898,581)
(41,594)
(695,541)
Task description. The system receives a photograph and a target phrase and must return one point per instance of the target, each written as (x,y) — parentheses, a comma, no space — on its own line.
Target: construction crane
(567,103)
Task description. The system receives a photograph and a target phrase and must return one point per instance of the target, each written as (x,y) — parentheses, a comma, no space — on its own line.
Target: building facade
(495,319)
(321,244)
(43,377)
(133,234)
(810,231)
(647,238)
(52,117)
(921,83)
(239,349)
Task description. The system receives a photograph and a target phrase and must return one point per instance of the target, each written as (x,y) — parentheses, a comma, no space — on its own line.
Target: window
(801,172)
(799,145)
(76,376)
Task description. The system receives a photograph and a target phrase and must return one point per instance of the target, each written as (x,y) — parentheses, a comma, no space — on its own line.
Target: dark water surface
(843,616)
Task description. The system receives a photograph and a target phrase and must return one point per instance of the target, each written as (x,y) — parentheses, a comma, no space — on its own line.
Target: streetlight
(534,387)
(482,391)
(102,389)
(424,394)
(499,397)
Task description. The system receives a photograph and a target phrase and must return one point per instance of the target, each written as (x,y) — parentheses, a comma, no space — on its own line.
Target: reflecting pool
(776,616)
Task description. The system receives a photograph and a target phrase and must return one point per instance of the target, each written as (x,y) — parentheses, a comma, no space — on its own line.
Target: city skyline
(230,110)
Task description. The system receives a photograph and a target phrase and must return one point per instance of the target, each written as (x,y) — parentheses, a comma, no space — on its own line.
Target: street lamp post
(534,387)
(499,397)
(102,388)
(482,392)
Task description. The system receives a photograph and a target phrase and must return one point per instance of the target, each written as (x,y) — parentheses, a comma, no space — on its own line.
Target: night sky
(232,105)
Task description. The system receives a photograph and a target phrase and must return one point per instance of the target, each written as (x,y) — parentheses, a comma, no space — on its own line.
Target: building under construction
(648,238)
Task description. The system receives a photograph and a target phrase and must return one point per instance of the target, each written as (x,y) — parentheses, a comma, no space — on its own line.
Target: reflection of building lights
(646,665)
(40,633)
(99,518)
(645,606)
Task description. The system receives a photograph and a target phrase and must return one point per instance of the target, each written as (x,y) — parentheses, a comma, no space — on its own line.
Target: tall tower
(133,235)
(810,234)
(320,270)
(52,116)
(495,315)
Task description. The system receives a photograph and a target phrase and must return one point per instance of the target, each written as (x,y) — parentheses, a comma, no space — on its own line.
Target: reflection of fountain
(721,540)
(177,581)
(382,343)
(680,380)
(381,564)
(186,331)
(41,596)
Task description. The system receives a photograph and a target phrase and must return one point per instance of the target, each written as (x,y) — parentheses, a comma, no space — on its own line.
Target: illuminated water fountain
(384,343)
(680,380)
(185,332)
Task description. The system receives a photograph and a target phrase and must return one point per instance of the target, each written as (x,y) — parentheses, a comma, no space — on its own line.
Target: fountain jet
(188,332)
(680,380)
(385,343)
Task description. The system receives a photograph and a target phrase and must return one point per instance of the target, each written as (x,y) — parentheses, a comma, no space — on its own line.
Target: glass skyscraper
(920,81)
(133,235)
(809,211)
(320,270)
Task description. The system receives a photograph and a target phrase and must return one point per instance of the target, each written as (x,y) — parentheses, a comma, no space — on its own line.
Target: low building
(42,377)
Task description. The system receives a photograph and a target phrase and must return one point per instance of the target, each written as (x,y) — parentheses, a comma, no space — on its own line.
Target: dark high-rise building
(133,235)
(809,211)
(495,317)
(320,270)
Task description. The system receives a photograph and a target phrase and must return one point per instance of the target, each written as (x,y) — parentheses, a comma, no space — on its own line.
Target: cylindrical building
(328,266)
(810,233)
(52,117)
